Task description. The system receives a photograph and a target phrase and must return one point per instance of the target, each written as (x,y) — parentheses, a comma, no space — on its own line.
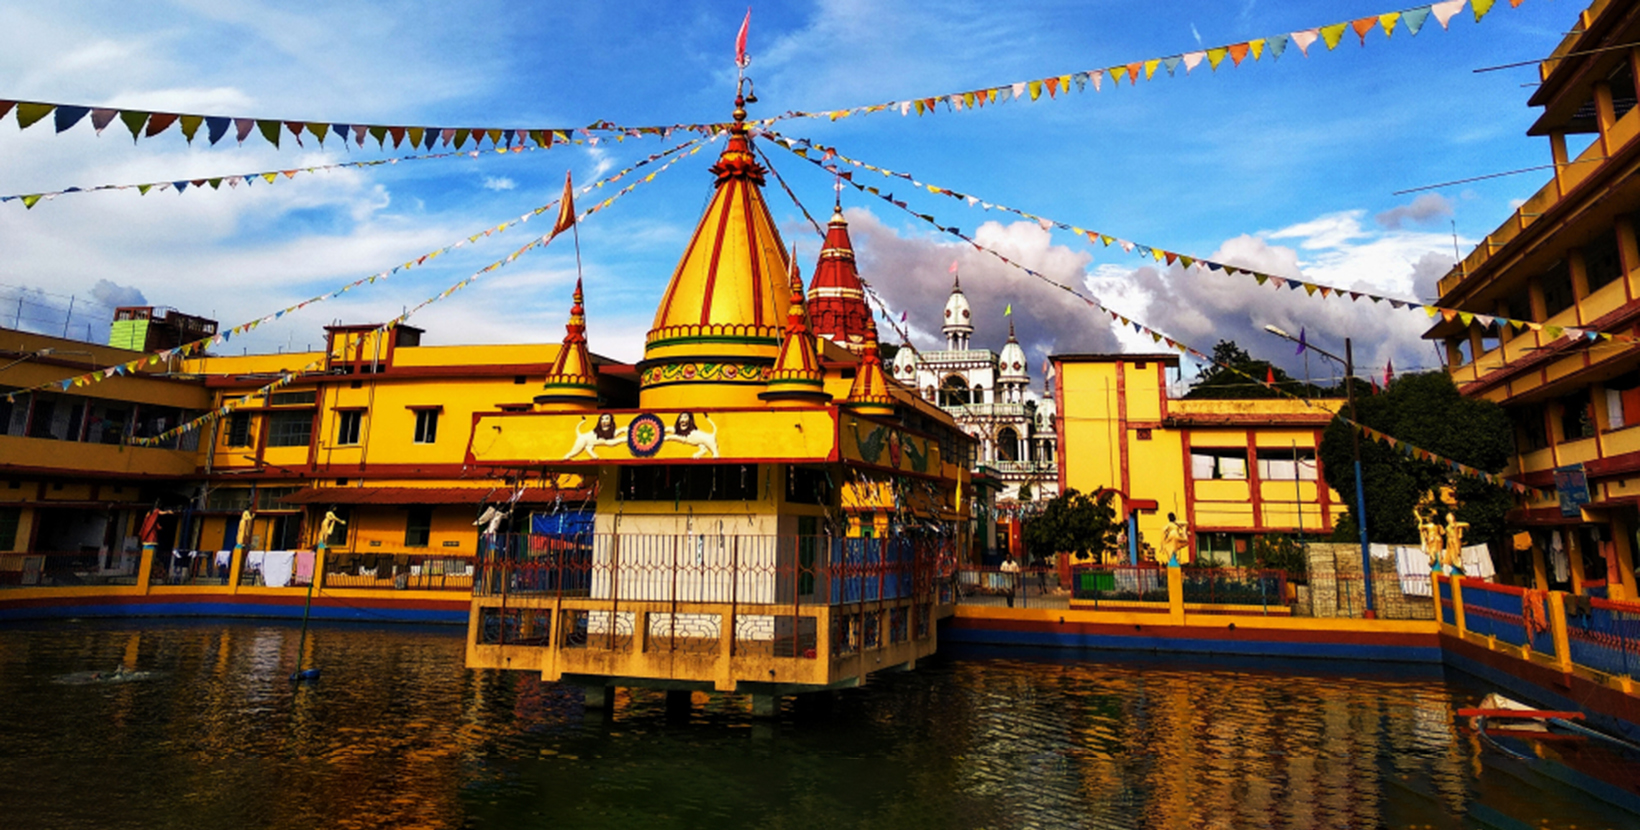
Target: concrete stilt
(765,706)
(679,702)
(597,697)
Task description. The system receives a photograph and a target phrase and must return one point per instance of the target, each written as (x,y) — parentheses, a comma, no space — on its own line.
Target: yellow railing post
(145,565)
(236,566)
(1557,628)
(1457,605)
(1175,594)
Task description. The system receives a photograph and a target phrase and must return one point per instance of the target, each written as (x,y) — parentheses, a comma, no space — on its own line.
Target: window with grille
(290,429)
(239,429)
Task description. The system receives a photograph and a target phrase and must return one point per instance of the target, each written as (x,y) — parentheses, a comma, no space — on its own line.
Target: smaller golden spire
(869,395)
(796,379)
(572,383)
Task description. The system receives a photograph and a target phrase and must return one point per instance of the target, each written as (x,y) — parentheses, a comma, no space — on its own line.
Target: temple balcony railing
(1031,468)
(750,571)
(987,410)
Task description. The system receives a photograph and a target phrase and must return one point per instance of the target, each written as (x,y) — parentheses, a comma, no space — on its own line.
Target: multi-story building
(1229,469)
(72,490)
(1566,266)
(986,393)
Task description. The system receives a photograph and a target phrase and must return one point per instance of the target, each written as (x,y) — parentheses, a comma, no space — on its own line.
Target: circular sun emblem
(645,435)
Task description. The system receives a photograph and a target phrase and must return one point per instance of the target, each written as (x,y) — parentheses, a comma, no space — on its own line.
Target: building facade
(1567,259)
(986,392)
(1231,470)
(72,490)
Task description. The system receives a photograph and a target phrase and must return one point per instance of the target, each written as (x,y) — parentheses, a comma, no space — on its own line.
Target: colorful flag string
(234,180)
(1274,46)
(803,147)
(148,124)
(285,378)
(199,346)
(1160,337)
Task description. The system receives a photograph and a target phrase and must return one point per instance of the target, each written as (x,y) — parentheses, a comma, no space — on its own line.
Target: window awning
(427,495)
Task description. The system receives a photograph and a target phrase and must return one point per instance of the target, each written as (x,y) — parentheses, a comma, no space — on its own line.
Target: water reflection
(398,734)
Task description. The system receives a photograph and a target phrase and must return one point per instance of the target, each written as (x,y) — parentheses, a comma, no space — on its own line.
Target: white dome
(905,365)
(1044,415)
(958,316)
(1011,365)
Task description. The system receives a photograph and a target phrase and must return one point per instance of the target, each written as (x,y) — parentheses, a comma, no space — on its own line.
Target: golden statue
(1442,543)
(247,521)
(327,528)
(1175,541)
(1430,536)
(1454,544)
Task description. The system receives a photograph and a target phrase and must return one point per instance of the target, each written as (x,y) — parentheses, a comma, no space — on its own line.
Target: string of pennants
(198,347)
(149,124)
(1161,337)
(285,378)
(802,147)
(1411,21)
(270,176)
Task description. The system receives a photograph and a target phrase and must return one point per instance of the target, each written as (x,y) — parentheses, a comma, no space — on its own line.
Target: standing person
(1010,571)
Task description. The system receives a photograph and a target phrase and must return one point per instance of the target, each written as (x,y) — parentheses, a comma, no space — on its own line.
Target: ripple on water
(398,734)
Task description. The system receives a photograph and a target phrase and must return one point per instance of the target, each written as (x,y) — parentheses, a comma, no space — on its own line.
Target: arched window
(954,392)
(1007,444)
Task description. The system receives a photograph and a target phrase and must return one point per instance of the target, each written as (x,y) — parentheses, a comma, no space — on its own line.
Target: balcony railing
(1043,468)
(67,569)
(752,570)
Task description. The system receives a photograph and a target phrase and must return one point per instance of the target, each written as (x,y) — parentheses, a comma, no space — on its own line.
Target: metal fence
(1602,634)
(1517,616)
(1262,587)
(1145,582)
(191,567)
(1026,588)
(64,568)
(710,568)
(398,571)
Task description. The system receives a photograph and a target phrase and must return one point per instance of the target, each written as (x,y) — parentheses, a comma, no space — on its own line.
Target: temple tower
(719,327)
(837,297)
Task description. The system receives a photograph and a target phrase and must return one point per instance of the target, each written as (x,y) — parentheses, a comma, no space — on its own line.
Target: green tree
(1235,374)
(1427,411)
(1073,522)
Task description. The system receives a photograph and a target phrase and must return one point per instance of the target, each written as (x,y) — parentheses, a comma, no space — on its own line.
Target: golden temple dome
(722,318)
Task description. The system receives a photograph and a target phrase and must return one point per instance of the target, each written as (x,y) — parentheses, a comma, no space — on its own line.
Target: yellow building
(1566,265)
(1229,469)
(376,431)
(72,493)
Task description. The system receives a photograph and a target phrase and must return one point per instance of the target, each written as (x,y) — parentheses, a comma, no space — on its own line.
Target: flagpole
(577,232)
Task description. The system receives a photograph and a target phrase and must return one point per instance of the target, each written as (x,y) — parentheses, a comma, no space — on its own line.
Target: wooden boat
(1559,746)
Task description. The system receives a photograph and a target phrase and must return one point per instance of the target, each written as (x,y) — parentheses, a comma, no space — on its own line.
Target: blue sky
(1287,166)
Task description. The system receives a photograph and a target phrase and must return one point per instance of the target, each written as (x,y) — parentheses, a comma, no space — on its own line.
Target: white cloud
(499,183)
(1422,210)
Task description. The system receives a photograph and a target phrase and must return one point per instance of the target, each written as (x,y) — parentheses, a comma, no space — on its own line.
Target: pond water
(399,734)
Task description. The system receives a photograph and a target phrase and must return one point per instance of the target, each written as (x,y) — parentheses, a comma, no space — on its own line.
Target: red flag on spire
(740,41)
(566,209)
(1389,372)
(1269,376)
